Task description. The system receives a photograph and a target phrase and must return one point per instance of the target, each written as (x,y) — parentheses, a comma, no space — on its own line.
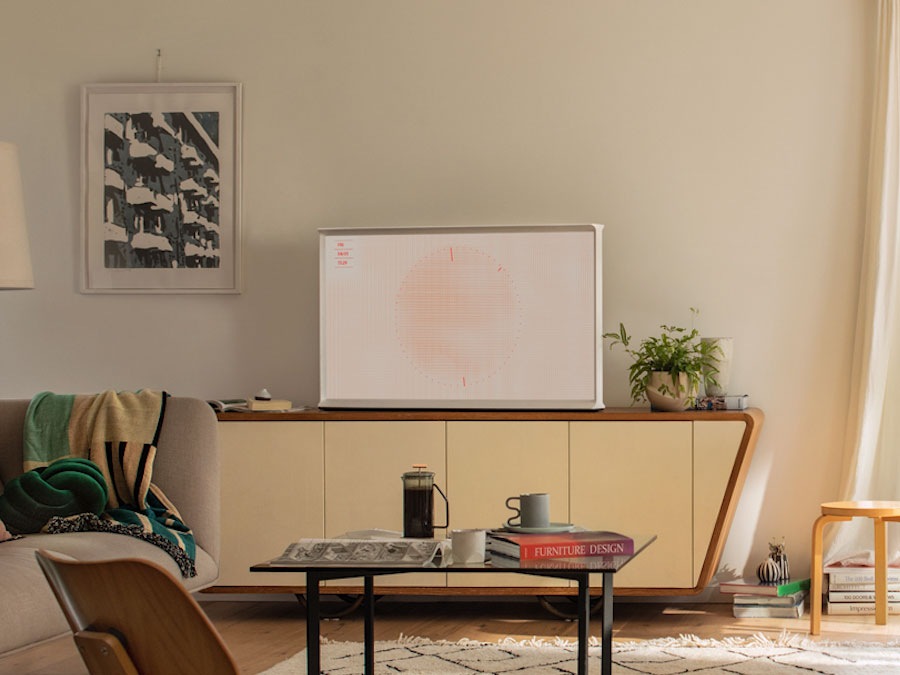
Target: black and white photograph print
(162,188)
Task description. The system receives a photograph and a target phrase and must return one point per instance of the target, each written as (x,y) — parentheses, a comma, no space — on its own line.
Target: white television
(493,317)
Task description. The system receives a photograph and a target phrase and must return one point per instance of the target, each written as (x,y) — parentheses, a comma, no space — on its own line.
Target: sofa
(186,468)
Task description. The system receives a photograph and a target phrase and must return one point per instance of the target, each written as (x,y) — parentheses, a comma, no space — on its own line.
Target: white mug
(533,510)
(467,546)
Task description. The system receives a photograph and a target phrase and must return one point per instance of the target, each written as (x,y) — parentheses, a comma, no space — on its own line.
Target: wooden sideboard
(322,473)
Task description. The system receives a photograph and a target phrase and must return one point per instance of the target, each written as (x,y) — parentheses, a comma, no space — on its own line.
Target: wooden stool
(880,513)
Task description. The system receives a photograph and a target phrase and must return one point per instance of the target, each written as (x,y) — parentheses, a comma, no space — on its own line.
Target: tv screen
(499,317)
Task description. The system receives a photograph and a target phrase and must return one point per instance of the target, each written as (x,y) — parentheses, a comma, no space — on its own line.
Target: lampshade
(15,258)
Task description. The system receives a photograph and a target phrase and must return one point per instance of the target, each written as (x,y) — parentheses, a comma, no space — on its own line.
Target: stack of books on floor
(753,598)
(561,549)
(851,590)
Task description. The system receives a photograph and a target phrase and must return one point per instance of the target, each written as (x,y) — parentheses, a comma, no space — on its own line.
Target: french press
(418,503)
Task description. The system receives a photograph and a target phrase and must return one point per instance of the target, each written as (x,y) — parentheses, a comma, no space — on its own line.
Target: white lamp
(15,258)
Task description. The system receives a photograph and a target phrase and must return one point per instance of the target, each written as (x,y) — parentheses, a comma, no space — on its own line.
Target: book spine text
(576,550)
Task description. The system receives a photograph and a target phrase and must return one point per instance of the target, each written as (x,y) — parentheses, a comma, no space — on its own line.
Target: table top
(570,567)
(870,508)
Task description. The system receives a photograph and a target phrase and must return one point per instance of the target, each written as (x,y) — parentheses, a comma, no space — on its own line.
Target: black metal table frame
(316,575)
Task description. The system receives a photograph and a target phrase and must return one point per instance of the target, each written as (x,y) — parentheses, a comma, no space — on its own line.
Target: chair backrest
(158,626)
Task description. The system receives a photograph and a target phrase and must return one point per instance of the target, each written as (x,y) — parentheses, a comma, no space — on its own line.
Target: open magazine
(387,552)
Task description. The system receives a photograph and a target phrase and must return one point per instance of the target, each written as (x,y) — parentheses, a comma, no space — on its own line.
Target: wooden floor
(263,633)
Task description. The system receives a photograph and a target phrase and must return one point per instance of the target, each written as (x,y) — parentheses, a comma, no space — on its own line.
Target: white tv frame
(334,390)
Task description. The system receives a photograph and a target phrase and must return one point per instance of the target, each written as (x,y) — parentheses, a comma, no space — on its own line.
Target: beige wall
(723,144)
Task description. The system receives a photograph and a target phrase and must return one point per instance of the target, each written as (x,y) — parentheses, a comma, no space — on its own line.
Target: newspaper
(387,552)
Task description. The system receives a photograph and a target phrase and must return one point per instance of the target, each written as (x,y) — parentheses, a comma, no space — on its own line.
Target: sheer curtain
(871,468)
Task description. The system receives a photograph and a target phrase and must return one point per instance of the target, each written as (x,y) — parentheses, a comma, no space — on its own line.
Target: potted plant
(669,368)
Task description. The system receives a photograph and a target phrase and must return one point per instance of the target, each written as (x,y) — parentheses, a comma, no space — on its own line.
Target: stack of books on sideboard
(753,598)
(582,548)
(851,590)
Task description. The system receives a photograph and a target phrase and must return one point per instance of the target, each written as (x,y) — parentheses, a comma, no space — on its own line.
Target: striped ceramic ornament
(776,566)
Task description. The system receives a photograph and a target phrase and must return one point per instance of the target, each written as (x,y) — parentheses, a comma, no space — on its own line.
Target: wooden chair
(131,617)
(880,512)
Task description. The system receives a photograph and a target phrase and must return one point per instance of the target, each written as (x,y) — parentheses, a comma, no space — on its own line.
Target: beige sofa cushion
(28,610)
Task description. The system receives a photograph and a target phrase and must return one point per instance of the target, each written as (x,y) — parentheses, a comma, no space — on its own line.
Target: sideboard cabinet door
(364,463)
(716,446)
(490,461)
(636,477)
(272,494)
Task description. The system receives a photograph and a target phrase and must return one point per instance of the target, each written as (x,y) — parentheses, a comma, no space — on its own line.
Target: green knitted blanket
(107,442)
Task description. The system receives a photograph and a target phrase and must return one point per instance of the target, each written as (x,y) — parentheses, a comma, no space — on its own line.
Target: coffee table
(606,567)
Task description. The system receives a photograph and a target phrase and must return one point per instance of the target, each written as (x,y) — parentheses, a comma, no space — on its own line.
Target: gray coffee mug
(533,510)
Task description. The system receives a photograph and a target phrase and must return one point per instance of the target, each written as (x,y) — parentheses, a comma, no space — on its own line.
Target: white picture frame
(161,188)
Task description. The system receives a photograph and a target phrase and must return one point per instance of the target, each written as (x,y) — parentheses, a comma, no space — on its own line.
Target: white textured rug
(758,655)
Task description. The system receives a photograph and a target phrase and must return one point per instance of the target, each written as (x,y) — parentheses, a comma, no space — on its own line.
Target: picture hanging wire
(159,65)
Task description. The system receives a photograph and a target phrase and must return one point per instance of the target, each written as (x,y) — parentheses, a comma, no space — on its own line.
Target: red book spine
(535,550)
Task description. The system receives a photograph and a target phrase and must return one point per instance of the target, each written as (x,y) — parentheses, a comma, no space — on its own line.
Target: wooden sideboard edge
(753,416)
(733,490)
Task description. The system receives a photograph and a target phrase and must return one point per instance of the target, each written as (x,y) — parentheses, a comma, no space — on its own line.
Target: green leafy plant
(675,351)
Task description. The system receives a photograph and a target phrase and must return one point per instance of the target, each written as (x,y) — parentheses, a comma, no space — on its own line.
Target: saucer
(554,527)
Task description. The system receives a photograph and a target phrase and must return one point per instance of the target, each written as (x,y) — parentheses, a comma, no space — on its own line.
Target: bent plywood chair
(131,617)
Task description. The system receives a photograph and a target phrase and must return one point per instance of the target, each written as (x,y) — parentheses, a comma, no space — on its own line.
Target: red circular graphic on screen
(458,317)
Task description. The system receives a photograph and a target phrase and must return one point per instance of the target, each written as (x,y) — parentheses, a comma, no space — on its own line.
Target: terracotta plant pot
(677,399)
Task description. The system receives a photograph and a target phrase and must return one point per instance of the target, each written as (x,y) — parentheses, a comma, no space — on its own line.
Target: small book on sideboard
(272,404)
(229,405)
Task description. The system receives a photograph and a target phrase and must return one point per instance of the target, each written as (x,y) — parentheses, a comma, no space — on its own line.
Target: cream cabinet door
(636,478)
(716,445)
(272,494)
(364,463)
(490,461)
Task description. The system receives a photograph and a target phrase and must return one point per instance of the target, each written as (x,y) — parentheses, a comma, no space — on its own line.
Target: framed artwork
(161,184)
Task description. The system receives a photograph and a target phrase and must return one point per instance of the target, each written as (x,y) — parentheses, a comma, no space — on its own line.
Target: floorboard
(263,633)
